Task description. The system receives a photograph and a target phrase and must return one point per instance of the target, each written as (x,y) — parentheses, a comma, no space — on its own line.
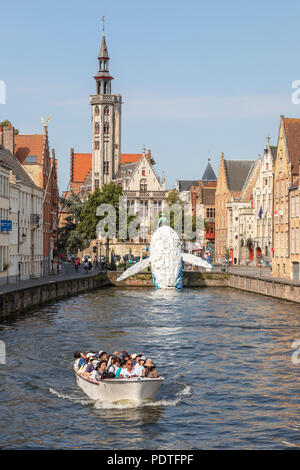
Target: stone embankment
(24,299)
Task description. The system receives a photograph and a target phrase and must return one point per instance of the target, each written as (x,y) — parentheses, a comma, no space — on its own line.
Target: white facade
(30,231)
(4,216)
(263,204)
(146,195)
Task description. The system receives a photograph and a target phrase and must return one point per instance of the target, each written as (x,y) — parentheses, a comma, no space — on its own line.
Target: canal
(226,357)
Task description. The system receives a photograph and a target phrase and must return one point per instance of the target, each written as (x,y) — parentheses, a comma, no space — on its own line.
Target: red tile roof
(81,165)
(32,145)
(292,132)
(133,157)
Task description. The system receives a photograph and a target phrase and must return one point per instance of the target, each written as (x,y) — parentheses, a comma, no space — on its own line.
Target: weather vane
(102,19)
(43,121)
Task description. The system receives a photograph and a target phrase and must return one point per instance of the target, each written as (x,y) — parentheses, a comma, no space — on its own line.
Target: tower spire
(103,78)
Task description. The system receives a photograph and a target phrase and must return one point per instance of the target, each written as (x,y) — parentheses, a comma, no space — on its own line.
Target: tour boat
(113,390)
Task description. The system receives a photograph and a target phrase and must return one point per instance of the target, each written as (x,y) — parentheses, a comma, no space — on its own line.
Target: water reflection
(225,355)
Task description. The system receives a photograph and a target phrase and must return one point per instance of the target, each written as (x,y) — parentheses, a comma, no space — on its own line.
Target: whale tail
(192,259)
(135,269)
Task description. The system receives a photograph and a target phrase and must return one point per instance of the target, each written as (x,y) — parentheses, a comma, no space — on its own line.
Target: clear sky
(197,78)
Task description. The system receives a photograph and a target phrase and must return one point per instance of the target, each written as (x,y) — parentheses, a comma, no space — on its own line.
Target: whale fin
(192,259)
(136,268)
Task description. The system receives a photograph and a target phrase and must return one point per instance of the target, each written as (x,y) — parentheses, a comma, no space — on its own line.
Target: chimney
(8,138)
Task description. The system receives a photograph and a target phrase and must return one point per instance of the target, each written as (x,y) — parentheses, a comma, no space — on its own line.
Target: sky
(197,78)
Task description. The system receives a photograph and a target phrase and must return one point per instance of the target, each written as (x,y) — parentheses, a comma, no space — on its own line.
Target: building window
(143,185)
(96,183)
(106,128)
(106,168)
(106,111)
(30,159)
(97,128)
(97,112)
(97,144)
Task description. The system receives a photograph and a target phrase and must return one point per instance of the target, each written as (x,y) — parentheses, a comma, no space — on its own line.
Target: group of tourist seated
(120,366)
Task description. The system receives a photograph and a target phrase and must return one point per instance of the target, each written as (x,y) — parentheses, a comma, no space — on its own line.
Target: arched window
(97,144)
(143,185)
(106,128)
(97,111)
(106,111)
(105,87)
(97,128)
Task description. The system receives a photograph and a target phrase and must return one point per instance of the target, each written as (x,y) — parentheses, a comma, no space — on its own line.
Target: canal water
(226,356)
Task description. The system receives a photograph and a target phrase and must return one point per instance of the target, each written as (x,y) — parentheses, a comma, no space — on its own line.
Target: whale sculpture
(166,260)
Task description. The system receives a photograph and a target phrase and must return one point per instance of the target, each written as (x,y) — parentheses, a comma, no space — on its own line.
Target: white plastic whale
(166,260)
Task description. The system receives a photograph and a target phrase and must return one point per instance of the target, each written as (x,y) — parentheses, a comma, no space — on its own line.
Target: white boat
(113,390)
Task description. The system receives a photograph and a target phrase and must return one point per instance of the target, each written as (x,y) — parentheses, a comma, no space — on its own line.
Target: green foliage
(75,242)
(7,123)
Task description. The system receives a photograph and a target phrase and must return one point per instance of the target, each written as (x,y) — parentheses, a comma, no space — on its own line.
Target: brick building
(33,153)
(231,180)
(286,175)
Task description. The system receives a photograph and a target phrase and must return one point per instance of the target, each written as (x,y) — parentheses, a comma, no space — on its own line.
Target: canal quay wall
(22,300)
(277,288)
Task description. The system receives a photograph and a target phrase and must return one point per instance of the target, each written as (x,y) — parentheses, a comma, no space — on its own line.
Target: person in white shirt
(129,371)
(139,367)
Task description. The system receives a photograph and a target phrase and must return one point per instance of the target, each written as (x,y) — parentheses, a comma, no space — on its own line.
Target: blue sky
(196,77)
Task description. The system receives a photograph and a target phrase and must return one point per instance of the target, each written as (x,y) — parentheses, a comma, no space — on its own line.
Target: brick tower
(106,124)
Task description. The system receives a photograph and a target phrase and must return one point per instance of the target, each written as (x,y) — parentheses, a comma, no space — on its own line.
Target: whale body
(166,260)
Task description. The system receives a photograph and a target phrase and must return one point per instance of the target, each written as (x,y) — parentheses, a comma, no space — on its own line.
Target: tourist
(129,371)
(111,367)
(122,366)
(149,369)
(101,372)
(103,356)
(86,266)
(88,368)
(93,374)
(139,367)
(77,357)
(59,266)
(82,361)
(76,264)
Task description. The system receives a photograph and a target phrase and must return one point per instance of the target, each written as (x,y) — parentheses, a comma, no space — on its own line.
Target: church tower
(106,123)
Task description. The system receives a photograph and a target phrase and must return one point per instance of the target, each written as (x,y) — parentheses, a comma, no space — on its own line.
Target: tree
(75,242)
(7,123)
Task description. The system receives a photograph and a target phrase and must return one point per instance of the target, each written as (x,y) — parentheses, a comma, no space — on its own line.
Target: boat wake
(69,397)
(127,404)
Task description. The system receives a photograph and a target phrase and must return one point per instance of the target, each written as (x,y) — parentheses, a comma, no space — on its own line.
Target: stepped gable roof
(209,174)
(17,169)
(81,165)
(292,133)
(29,145)
(237,172)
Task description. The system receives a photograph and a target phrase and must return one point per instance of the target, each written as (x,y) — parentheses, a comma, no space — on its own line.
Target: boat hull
(113,390)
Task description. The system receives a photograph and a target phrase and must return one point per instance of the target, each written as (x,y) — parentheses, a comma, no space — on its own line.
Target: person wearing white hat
(139,367)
